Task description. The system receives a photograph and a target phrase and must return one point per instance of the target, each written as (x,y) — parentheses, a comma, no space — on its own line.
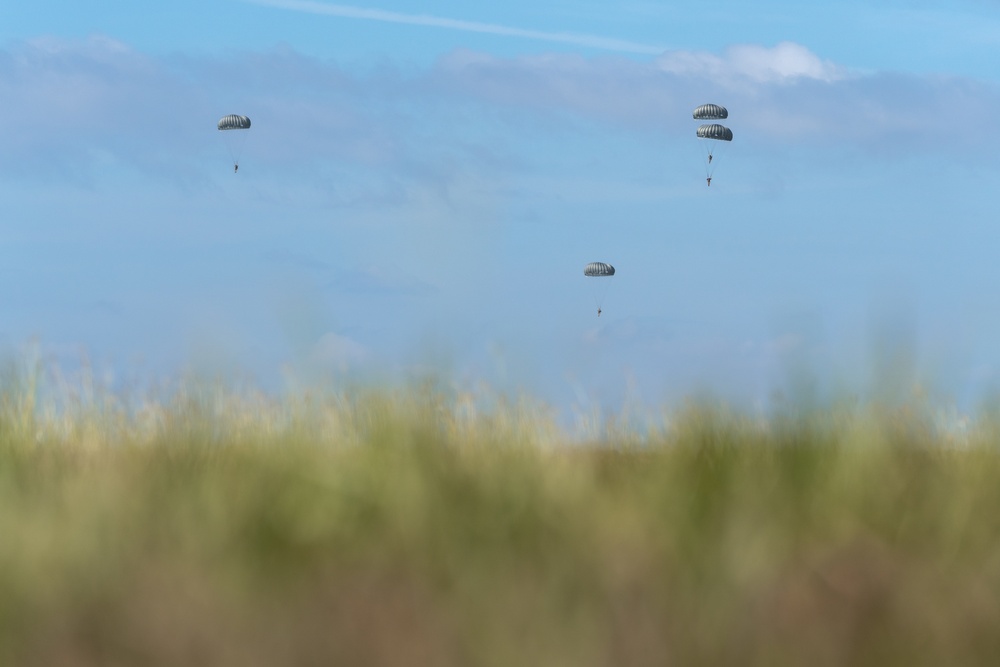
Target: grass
(413,527)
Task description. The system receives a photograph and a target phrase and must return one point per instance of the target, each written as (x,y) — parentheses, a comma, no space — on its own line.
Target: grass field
(415,527)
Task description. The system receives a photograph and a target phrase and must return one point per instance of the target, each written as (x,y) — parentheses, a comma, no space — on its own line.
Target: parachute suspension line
(600,293)
(234,143)
(709,151)
(714,150)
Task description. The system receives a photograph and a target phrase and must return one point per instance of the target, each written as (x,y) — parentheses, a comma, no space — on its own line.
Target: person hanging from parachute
(234,140)
(599,270)
(712,131)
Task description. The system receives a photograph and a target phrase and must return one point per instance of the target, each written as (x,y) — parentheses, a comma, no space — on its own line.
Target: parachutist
(234,142)
(713,132)
(604,272)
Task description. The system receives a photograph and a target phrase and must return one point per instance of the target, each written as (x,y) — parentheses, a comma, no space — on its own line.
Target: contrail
(347,11)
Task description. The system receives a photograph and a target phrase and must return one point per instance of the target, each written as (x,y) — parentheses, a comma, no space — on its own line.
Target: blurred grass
(415,527)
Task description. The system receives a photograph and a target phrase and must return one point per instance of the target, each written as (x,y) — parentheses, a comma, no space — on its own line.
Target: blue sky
(424,182)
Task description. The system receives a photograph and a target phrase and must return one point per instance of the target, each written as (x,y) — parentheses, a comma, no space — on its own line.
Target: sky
(423,184)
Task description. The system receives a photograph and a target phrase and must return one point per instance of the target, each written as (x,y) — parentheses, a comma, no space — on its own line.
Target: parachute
(600,288)
(234,140)
(234,122)
(713,132)
(710,112)
(598,270)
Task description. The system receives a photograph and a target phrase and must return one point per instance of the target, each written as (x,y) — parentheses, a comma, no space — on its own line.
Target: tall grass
(416,527)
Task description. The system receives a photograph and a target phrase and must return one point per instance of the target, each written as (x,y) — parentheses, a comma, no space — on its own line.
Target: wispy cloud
(348,11)
(783,94)
(76,109)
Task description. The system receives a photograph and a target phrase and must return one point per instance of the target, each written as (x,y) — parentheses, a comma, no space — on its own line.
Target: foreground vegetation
(417,527)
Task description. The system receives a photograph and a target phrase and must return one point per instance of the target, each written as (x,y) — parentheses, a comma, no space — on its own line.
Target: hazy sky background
(424,183)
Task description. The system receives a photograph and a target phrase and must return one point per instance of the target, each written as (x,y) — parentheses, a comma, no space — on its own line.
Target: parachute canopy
(715,131)
(234,122)
(710,112)
(598,270)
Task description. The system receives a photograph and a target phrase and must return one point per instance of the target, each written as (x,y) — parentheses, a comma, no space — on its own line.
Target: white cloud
(782,95)
(786,62)
(74,107)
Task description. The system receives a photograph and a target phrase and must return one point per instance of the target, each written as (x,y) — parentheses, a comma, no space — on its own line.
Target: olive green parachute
(715,131)
(599,288)
(598,270)
(710,112)
(234,140)
(234,122)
